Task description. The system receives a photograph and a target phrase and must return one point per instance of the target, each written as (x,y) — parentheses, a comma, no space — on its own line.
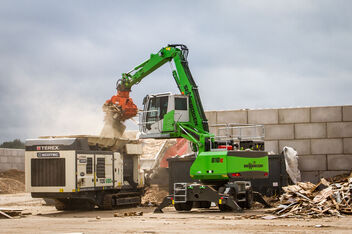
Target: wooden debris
(118,215)
(133,213)
(327,198)
(9,213)
(269,217)
(5,215)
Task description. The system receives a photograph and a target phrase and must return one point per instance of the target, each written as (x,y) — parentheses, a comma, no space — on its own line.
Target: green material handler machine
(219,165)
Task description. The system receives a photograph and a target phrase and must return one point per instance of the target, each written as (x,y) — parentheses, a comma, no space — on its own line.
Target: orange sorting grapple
(122,105)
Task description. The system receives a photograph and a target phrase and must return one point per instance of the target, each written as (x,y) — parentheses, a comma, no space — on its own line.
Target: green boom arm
(196,130)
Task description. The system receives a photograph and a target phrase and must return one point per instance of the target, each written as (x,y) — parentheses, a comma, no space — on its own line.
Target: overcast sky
(59,60)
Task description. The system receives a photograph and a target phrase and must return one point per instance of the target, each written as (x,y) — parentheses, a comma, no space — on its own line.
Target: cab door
(85,171)
(104,170)
(181,108)
(155,107)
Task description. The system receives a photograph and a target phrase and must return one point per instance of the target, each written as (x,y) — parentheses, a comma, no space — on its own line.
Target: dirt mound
(11,186)
(12,181)
(13,174)
(154,195)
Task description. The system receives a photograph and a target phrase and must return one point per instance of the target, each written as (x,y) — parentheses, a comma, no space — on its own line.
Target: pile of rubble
(153,196)
(12,181)
(327,198)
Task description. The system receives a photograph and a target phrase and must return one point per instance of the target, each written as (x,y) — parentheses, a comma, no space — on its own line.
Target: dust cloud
(113,127)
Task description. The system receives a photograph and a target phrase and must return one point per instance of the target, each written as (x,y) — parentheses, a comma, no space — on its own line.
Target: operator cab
(160,114)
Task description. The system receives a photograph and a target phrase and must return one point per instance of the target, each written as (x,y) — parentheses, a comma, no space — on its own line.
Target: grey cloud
(59,60)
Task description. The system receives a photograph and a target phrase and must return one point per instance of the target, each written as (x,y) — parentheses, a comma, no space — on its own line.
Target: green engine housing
(213,167)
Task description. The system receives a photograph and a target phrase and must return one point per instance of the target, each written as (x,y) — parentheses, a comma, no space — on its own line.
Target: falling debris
(327,198)
(113,125)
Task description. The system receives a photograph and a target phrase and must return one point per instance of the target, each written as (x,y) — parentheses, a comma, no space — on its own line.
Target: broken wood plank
(6,215)
(334,201)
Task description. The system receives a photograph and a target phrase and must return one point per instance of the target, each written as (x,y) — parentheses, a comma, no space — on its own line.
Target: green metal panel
(210,166)
(243,164)
(217,165)
(169,121)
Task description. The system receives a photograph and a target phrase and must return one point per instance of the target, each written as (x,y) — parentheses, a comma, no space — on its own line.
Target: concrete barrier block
(347,113)
(326,146)
(213,130)
(5,166)
(313,130)
(301,146)
(242,131)
(236,116)
(326,114)
(211,116)
(272,146)
(294,115)
(339,162)
(312,162)
(347,145)
(17,159)
(3,159)
(342,129)
(265,116)
(276,132)
(2,151)
(21,159)
(5,152)
(11,159)
(21,167)
(330,174)
(17,166)
(310,176)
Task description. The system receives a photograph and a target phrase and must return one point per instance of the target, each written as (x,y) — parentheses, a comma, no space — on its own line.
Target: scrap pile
(327,198)
(153,196)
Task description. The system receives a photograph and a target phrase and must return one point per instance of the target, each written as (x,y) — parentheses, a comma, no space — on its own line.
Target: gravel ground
(46,219)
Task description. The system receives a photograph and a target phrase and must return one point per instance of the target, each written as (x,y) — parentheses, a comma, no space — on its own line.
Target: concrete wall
(11,159)
(322,136)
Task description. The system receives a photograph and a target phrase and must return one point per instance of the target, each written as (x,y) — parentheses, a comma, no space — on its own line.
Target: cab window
(180,103)
(157,108)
